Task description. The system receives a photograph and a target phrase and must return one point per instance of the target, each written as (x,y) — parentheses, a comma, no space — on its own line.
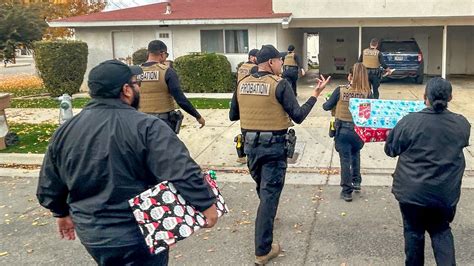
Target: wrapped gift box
(375,113)
(369,134)
(164,217)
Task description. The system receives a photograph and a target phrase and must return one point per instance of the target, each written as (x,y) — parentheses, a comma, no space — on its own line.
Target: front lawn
(199,103)
(34,138)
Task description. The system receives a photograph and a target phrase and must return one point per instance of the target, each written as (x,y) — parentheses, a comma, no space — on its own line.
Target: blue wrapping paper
(377,113)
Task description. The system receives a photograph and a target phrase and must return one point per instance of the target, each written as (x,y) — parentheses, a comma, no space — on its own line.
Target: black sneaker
(346,196)
(356,187)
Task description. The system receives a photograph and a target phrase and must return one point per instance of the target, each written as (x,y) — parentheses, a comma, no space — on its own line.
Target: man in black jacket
(427,179)
(104,156)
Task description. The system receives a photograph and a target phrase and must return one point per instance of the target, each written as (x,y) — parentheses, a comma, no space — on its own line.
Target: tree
(19,25)
(68,8)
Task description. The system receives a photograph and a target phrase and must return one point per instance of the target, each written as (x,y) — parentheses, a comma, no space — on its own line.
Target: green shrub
(204,73)
(61,65)
(139,56)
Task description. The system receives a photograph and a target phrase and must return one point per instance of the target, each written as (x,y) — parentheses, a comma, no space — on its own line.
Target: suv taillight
(420,57)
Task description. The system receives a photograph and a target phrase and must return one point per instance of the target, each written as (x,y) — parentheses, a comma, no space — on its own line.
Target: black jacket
(431,160)
(104,156)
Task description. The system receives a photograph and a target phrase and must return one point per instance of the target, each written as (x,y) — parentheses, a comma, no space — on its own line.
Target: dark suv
(405,57)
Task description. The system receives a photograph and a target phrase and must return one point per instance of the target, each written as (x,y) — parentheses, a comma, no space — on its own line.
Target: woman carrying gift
(427,179)
(348,143)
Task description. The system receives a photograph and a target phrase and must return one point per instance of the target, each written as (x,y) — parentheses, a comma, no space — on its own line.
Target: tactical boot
(346,196)
(356,187)
(262,260)
(242,160)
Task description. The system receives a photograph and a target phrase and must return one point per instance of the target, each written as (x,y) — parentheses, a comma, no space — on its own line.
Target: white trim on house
(382,22)
(59,24)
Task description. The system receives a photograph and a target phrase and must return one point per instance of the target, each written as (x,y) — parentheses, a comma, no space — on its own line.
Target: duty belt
(164,116)
(267,137)
(346,124)
(289,67)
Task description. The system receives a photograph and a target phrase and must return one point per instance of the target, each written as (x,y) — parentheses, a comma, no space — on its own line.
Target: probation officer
(291,67)
(347,143)
(265,105)
(160,88)
(248,67)
(373,60)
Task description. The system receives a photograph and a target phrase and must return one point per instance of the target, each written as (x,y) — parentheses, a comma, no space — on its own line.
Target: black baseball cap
(266,53)
(107,79)
(253,52)
(291,48)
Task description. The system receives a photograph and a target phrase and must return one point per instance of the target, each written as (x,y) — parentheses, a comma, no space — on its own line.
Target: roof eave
(84,24)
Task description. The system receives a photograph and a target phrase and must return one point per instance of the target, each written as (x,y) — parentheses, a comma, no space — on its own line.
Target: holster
(239,145)
(337,127)
(250,141)
(332,128)
(176,119)
(290,143)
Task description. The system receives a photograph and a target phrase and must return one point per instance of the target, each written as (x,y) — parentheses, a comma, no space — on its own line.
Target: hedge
(61,65)
(202,72)
(139,56)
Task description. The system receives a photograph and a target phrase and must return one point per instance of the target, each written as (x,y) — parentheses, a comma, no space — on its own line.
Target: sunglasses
(138,82)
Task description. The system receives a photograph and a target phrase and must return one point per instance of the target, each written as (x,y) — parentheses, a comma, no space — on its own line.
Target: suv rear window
(399,47)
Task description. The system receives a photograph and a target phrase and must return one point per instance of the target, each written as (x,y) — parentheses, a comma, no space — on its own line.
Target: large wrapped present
(164,217)
(375,113)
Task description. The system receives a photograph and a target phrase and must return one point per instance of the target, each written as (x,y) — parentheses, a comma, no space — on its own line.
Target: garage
(446,49)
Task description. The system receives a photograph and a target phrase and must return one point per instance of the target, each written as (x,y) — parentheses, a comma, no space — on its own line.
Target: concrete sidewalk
(213,146)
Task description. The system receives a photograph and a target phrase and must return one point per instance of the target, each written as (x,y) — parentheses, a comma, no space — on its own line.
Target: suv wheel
(419,79)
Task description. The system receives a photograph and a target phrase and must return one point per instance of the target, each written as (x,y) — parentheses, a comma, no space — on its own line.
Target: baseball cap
(253,52)
(266,53)
(107,79)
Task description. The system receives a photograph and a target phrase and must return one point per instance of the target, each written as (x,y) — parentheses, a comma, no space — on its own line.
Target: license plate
(398,58)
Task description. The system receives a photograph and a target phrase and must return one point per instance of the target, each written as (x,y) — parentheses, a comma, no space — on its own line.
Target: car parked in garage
(405,57)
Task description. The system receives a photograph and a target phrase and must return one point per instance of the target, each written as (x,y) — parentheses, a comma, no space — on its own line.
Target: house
(444,29)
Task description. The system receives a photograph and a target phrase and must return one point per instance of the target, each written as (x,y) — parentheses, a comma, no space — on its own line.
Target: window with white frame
(225,41)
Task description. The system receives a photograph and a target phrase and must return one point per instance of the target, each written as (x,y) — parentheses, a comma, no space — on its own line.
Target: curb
(18,159)
(16,65)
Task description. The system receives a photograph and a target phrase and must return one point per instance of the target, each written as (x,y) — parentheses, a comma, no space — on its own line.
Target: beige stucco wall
(290,36)
(185,39)
(460,50)
(374,8)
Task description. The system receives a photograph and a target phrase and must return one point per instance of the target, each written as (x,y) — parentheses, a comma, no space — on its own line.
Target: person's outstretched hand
(322,82)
